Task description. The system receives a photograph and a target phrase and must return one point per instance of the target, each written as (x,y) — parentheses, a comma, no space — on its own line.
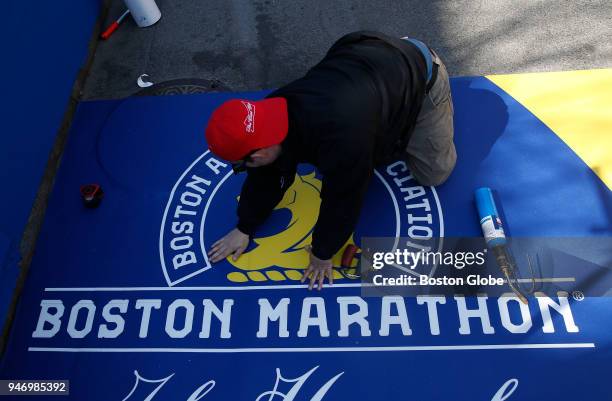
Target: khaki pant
(431,153)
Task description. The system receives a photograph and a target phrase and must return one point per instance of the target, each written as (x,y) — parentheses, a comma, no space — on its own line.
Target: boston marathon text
(259,318)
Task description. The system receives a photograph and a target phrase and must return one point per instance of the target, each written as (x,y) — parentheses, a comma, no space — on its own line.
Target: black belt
(434,70)
(434,75)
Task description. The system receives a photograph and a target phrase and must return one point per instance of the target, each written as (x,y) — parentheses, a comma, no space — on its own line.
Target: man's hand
(234,243)
(317,270)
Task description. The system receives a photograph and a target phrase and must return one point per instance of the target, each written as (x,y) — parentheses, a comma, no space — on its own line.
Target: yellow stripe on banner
(575,105)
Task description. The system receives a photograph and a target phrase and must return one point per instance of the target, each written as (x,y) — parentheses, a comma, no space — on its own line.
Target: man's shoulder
(309,102)
(358,36)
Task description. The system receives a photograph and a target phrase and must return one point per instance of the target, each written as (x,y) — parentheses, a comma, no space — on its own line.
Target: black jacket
(352,111)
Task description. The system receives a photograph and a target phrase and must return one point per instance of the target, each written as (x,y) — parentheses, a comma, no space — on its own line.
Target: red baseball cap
(238,126)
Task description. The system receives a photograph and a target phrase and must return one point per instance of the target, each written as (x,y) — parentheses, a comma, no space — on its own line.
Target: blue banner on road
(124,303)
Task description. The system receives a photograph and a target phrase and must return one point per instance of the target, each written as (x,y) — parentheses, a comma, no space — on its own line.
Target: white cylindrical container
(144,12)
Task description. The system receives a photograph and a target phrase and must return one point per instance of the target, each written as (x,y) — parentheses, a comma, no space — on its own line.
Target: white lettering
(184,259)
(358,317)
(117,320)
(146,305)
(171,317)
(46,317)
(215,164)
(194,184)
(504,313)
(545,303)
(432,311)
(480,313)
(224,316)
(191,199)
(387,319)
(320,320)
(269,314)
(74,314)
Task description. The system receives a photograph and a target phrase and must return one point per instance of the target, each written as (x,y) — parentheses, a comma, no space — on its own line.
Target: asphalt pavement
(249,45)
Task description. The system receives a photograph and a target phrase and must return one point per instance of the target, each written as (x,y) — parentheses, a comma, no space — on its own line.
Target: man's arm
(346,178)
(262,190)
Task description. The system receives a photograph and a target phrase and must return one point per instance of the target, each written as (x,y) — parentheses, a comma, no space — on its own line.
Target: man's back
(366,91)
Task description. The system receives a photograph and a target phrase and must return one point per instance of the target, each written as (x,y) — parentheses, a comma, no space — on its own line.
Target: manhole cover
(187,86)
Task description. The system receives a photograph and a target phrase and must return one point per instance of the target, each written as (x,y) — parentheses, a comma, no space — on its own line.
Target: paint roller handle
(109,31)
(113,27)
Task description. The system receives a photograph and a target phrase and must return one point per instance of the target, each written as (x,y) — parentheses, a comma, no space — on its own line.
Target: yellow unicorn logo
(283,256)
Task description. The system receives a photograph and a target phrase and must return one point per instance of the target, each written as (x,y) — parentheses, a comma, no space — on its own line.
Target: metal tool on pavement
(495,238)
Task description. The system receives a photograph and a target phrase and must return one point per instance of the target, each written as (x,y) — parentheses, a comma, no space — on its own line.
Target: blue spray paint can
(490,222)
(495,238)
